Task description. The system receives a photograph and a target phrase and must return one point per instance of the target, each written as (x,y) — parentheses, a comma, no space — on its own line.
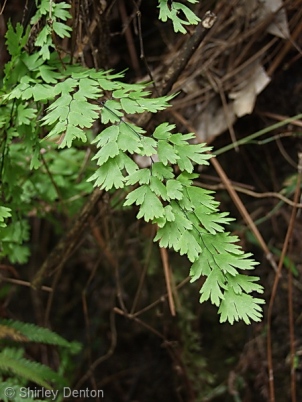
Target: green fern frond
(12,364)
(63,102)
(38,334)
(178,13)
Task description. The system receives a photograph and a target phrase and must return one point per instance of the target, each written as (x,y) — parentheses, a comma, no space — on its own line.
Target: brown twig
(142,277)
(161,299)
(3,7)
(182,59)
(129,38)
(64,248)
(185,54)
(268,194)
(167,271)
(106,356)
(243,211)
(288,45)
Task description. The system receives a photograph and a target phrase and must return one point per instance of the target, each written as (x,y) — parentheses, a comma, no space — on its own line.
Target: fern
(33,333)
(48,95)
(12,363)
(172,11)
(19,370)
(4,214)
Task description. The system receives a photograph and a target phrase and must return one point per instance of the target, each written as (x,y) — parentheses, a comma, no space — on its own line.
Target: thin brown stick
(227,117)
(252,193)
(288,45)
(132,317)
(142,278)
(161,299)
(275,285)
(106,356)
(243,211)
(281,117)
(129,38)
(2,9)
(142,51)
(167,272)
(182,59)
(24,283)
(65,246)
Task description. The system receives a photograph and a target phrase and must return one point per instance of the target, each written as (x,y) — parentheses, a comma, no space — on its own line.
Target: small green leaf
(25,114)
(174,189)
(109,134)
(166,153)
(241,306)
(15,39)
(170,217)
(188,245)
(48,74)
(148,146)
(109,175)
(158,187)
(128,139)
(151,207)
(43,92)
(130,106)
(162,132)
(82,114)
(110,150)
(62,30)
(111,112)
(244,283)
(198,195)
(89,89)
(142,176)
(136,196)
(211,221)
(4,214)
(161,171)
(43,36)
(202,266)
(71,134)
(190,16)
(60,10)
(211,289)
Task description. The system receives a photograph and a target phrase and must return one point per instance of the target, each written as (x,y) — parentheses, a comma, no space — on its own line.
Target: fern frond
(29,370)
(35,333)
